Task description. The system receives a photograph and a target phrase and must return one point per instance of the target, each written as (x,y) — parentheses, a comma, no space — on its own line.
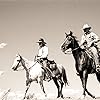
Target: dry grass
(51,98)
(72,96)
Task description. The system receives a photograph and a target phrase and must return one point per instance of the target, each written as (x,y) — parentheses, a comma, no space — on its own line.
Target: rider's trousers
(95,54)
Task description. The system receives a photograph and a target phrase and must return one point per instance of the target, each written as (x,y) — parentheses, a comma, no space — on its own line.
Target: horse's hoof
(94,97)
(58,96)
(23,98)
(62,96)
(45,95)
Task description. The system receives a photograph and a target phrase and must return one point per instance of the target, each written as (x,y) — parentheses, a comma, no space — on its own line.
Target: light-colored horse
(35,72)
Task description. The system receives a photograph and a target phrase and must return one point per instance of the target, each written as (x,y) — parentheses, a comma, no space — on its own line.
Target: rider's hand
(36,58)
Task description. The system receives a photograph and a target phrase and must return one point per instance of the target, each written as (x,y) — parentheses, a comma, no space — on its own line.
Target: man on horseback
(89,42)
(43,51)
(43,55)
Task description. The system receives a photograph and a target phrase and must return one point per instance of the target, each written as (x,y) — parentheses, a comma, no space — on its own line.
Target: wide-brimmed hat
(86,26)
(41,40)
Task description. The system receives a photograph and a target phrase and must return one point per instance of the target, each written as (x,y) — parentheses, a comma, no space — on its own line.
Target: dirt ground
(68,98)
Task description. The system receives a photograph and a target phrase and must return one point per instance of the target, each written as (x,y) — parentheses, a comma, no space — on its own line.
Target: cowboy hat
(86,26)
(41,40)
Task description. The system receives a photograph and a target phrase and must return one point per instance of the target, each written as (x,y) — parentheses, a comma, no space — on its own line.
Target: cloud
(2,45)
(1,72)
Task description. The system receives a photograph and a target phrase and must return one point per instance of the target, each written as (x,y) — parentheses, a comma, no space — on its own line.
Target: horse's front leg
(41,85)
(84,82)
(27,88)
(84,76)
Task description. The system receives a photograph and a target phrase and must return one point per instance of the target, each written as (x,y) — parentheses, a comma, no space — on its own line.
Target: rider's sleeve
(94,38)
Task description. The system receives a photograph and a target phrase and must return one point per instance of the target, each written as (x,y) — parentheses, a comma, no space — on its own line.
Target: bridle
(19,61)
(70,52)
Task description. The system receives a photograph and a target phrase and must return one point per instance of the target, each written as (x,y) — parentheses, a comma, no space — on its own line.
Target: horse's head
(68,42)
(17,62)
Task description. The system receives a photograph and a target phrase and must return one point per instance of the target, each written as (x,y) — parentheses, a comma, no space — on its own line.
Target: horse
(35,72)
(83,62)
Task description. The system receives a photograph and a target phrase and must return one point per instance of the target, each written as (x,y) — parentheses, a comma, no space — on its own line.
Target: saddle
(53,63)
(47,69)
(51,66)
(54,68)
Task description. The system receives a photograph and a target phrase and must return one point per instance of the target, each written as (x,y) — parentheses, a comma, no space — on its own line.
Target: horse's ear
(66,34)
(19,54)
(16,55)
(71,33)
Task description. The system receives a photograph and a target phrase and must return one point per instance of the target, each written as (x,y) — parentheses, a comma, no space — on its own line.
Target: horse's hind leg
(56,83)
(90,94)
(61,82)
(84,82)
(84,76)
(61,89)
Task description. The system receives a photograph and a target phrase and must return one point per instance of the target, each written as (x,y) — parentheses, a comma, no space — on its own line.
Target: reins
(33,65)
(70,52)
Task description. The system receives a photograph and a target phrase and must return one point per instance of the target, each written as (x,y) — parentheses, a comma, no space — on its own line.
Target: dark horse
(35,72)
(83,63)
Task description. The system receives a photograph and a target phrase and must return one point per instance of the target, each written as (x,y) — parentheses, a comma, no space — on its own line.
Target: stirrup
(98,68)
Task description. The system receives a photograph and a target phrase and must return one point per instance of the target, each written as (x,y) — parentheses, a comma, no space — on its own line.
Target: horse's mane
(28,62)
(75,38)
(77,41)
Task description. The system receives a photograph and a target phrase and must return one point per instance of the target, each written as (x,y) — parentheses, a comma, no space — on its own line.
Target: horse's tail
(98,76)
(64,76)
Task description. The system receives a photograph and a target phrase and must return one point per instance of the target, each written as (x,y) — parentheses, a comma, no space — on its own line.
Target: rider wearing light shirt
(43,50)
(90,41)
(42,57)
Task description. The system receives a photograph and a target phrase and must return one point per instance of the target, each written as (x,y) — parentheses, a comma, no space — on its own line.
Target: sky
(23,22)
